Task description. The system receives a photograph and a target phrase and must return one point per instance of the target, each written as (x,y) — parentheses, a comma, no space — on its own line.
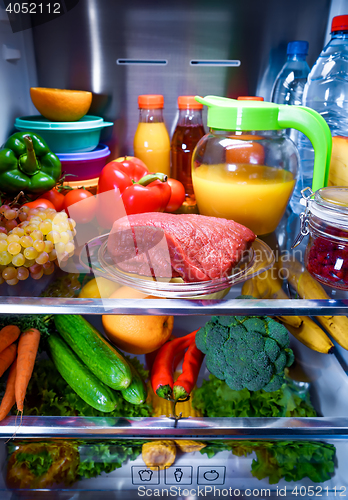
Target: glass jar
(326,255)
(245,168)
(245,176)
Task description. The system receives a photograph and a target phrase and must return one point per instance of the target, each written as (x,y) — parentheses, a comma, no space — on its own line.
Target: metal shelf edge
(203,428)
(183,307)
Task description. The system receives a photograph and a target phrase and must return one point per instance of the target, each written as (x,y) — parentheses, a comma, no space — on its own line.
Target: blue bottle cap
(298,47)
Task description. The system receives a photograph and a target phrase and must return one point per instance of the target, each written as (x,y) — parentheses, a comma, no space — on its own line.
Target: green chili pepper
(27,164)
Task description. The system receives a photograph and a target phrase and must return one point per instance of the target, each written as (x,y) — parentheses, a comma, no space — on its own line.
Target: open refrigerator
(119,50)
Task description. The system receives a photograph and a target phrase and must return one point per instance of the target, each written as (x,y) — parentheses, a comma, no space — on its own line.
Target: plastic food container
(85,166)
(326,221)
(65,137)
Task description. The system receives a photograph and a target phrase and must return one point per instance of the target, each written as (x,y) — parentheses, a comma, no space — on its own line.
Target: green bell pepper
(27,164)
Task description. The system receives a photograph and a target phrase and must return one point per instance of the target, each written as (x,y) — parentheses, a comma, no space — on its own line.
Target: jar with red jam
(326,255)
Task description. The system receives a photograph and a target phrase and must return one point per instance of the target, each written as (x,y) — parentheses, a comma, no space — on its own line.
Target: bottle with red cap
(188,131)
(151,141)
(326,91)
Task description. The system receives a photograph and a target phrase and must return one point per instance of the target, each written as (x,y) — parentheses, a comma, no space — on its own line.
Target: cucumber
(136,392)
(79,377)
(94,350)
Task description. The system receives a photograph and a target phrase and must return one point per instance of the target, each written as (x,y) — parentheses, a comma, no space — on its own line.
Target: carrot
(8,335)
(7,357)
(9,398)
(27,349)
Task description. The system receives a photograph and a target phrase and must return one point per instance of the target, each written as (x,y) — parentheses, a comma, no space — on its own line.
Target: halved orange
(61,105)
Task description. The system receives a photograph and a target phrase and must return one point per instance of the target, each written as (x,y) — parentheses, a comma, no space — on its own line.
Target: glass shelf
(199,428)
(176,307)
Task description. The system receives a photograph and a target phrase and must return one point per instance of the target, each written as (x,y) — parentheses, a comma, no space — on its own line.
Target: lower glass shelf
(166,428)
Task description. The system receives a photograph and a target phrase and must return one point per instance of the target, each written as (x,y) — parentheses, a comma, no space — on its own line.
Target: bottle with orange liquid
(189,130)
(151,140)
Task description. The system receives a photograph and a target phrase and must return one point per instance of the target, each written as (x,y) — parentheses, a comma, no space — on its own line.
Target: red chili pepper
(163,368)
(151,356)
(190,369)
(131,190)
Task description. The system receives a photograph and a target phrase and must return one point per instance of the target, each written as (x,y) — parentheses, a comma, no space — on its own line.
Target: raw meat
(194,247)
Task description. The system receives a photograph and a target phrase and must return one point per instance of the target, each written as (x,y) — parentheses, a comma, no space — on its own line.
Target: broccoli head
(247,352)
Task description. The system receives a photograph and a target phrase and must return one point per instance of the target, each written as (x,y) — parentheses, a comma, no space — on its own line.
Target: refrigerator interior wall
(119,50)
(17,74)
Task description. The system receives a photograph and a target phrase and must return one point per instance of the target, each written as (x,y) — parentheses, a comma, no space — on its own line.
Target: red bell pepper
(131,190)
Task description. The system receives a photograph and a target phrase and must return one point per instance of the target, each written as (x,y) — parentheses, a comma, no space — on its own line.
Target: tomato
(245,149)
(56,198)
(40,202)
(80,205)
(177,197)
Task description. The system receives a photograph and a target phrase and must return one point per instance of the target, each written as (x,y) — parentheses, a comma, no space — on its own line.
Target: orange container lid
(249,98)
(90,183)
(151,101)
(188,102)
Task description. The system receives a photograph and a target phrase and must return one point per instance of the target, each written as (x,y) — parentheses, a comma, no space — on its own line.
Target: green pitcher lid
(230,114)
(243,115)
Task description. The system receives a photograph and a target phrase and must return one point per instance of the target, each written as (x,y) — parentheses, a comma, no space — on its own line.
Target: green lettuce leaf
(289,460)
(51,463)
(106,456)
(216,399)
(37,464)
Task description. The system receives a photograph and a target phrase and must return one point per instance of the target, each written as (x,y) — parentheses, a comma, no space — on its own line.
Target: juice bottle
(189,130)
(151,140)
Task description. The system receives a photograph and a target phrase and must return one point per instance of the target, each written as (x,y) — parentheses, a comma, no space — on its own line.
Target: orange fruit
(61,105)
(126,292)
(137,334)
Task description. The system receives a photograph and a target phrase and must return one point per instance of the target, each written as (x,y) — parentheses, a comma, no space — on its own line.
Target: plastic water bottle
(290,82)
(326,91)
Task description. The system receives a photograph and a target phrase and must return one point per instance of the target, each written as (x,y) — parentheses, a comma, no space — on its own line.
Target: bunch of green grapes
(32,241)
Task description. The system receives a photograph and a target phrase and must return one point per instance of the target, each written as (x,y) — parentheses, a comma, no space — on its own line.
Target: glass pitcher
(245,168)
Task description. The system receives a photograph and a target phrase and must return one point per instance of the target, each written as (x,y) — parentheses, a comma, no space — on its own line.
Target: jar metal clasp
(304,217)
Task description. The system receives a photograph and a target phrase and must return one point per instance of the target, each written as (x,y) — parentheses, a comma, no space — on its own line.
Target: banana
(269,285)
(308,288)
(312,336)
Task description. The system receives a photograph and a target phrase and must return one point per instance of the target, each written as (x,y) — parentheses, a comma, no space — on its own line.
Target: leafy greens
(216,399)
(291,460)
(45,464)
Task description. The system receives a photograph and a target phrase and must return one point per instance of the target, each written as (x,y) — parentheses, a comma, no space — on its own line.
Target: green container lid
(231,114)
(38,122)
(244,115)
